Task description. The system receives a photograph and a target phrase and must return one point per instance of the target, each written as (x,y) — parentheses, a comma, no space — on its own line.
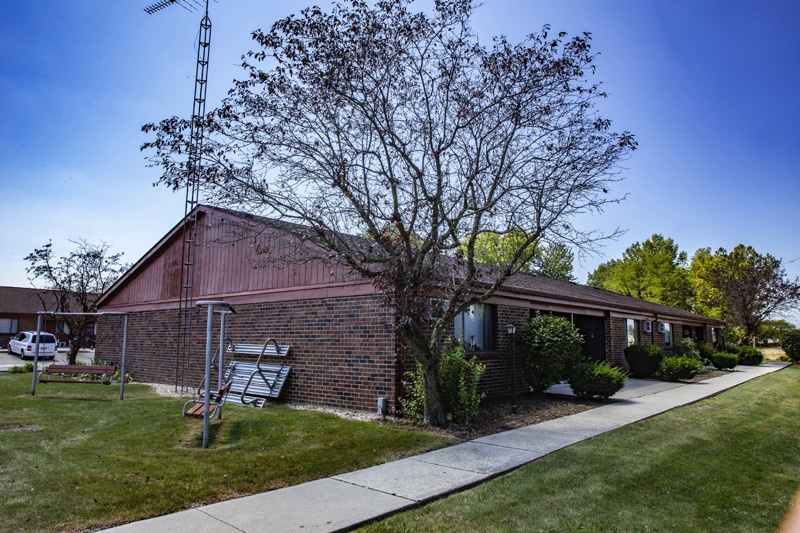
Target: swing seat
(217,401)
(104,371)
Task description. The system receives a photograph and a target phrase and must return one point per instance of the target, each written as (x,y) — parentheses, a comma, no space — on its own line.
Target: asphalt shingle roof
(25,301)
(539,285)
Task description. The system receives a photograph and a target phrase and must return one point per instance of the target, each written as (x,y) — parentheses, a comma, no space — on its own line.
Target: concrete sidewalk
(347,500)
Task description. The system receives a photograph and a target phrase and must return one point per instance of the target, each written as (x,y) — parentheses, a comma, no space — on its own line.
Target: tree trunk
(72,355)
(77,330)
(434,409)
(424,349)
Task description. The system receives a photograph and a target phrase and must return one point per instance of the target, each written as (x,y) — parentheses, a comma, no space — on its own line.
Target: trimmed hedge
(724,360)
(750,356)
(643,360)
(596,379)
(549,347)
(680,368)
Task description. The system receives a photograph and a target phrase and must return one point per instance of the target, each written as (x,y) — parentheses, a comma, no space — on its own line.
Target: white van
(24,344)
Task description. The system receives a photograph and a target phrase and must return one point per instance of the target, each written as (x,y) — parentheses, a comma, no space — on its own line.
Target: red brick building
(344,350)
(19,308)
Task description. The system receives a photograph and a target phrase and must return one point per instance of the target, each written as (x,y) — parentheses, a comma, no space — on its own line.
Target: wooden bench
(214,404)
(77,370)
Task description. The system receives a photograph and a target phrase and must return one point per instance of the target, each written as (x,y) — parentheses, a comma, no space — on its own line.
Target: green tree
(707,298)
(551,261)
(492,248)
(773,330)
(554,261)
(655,270)
(77,280)
(745,286)
(372,115)
(599,277)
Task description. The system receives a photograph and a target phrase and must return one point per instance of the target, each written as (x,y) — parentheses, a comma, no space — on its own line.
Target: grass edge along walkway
(75,457)
(728,463)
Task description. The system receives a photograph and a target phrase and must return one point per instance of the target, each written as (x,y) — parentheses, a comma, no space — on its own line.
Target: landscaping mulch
(532,409)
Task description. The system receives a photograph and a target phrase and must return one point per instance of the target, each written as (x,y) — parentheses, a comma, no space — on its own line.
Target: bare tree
(77,281)
(402,126)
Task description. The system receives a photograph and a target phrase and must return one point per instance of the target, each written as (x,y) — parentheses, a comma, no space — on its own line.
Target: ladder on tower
(193,176)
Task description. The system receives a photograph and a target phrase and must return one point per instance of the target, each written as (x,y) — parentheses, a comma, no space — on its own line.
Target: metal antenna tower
(194,168)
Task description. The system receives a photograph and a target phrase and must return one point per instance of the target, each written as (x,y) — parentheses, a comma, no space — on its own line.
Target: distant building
(19,308)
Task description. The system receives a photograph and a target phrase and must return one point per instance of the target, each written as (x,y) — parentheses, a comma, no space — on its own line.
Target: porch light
(511,329)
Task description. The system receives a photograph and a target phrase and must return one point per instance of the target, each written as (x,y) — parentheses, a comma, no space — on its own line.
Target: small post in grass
(36,352)
(124,353)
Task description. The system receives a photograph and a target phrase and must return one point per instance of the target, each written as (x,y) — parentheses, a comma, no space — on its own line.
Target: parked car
(24,344)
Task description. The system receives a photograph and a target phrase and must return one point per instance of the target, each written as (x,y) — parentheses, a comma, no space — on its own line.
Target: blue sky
(708,87)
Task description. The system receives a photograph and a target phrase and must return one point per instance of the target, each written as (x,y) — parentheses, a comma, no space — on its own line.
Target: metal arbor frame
(55,314)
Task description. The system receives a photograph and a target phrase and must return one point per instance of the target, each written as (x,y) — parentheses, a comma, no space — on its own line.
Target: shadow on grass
(195,438)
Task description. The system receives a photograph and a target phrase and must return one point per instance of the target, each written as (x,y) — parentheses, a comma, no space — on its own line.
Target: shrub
(117,374)
(680,368)
(549,348)
(724,360)
(459,377)
(413,400)
(688,348)
(21,369)
(596,379)
(643,359)
(706,351)
(791,345)
(750,356)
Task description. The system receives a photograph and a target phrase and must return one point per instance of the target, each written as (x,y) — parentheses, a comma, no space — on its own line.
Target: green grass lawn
(772,353)
(75,457)
(728,463)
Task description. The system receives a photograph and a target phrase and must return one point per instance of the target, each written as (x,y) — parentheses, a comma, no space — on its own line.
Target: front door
(594,336)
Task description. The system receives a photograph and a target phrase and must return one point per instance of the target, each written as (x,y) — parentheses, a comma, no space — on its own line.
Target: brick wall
(496,382)
(616,342)
(343,349)
(617,339)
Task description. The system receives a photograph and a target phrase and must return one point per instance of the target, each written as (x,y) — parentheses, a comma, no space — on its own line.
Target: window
(714,337)
(9,325)
(667,334)
(633,332)
(475,327)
